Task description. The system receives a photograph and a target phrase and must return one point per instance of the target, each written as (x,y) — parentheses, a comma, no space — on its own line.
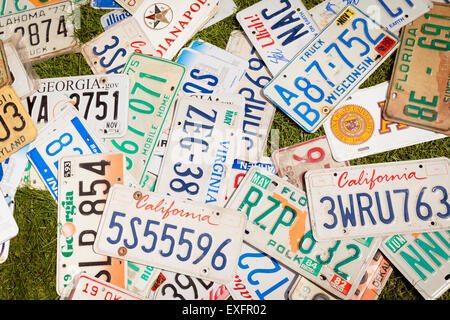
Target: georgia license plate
(66,135)
(113,17)
(260,277)
(379,199)
(418,94)
(330,68)
(5,74)
(84,183)
(140,278)
(278,30)
(422,258)
(123,233)
(101,100)
(47,31)
(154,83)
(17,127)
(296,160)
(8,226)
(8,6)
(356,128)
(200,150)
(278,224)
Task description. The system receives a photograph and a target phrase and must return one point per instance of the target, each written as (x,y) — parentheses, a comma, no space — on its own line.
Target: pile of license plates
(156,160)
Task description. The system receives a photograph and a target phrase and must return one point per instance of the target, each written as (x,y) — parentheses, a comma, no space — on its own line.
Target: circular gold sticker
(352,124)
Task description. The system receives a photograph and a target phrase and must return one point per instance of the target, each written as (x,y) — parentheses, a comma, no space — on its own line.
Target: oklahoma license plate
(379,199)
(330,68)
(208,238)
(8,6)
(47,31)
(8,226)
(84,183)
(419,91)
(101,100)
(278,224)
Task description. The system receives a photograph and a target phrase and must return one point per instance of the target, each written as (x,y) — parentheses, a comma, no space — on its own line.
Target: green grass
(29,272)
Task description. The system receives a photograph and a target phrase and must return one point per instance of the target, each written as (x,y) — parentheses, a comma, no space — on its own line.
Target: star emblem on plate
(158,16)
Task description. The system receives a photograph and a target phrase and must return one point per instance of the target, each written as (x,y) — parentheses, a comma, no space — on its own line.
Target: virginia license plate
(379,199)
(123,233)
(330,68)
(278,224)
(8,226)
(418,93)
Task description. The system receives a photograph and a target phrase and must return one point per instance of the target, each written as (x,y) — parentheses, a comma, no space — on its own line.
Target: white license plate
(278,224)
(278,30)
(113,17)
(208,238)
(8,226)
(11,171)
(8,6)
(379,199)
(200,150)
(66,135)
(303,289)
(225,9)
(154,83)
(356,128)
(422,259)
(260,277)
(47,31)
(330,68)
(259,112)
(100,99)
(140,278)
(294,161)
(84,183)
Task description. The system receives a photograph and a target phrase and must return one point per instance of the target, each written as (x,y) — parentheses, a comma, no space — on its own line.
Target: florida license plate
(47,31)
(379,199)
(330,68)
(208,238)
(278,224)
(418,93)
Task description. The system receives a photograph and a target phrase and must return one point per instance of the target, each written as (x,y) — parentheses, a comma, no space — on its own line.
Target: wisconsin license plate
(330,68)
(8,226)
(278,224)
(47,31)
(84,183)
(418,94)
(101,100)
(123,233)
(379,199)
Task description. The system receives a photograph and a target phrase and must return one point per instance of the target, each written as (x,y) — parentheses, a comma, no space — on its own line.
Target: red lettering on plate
(385,45)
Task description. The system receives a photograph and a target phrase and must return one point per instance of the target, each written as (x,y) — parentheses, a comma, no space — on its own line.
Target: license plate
(278,30)
(47,31)
(278,224)
(259,113)
(226,8)
(66,135)
(200,150)
(123,234)
(111,50)
(101,100)
(84,183)
(8,6)
(260,277)
(303,289)
(379,199)
(140,278)
(422,259)
(356,128)
(5,74)
(113,17)
(418,94)
(154,83)
(330,68)
(8,226)
(105,4)
(11,171)
(17,127)
(294,161)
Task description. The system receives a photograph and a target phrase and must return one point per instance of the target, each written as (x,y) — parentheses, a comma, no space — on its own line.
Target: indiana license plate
(84,184)
(418,93)
(101,100)
(379,199)
(47,31)
(330,68)
(278,224)
(8,226)
(123,233)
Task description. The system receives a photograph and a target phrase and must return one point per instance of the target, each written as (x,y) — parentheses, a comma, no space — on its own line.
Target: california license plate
(422,258)
(278,30)
(101,100)
(8,226)
(379,199)
(208,238)
(47,31)
(278,224)
(84,183)
(419,94)
(330,68)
